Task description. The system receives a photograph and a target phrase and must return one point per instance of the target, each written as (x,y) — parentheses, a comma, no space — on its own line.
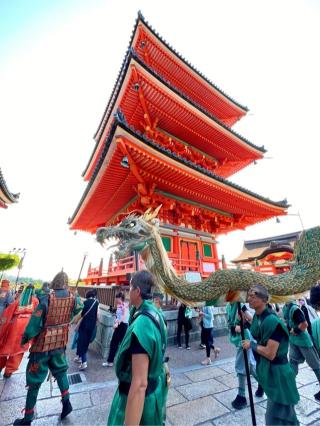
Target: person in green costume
(142,390)
(48,327)
(235,339)
(301,344)
(274,372)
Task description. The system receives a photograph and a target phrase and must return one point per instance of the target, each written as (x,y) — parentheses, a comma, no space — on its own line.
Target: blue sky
(58,64)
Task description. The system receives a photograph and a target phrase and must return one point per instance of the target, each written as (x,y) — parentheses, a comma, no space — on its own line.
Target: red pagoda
(166,138)
(6,197)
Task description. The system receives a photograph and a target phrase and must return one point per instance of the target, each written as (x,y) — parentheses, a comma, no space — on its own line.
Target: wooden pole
(79,277)
(246,363)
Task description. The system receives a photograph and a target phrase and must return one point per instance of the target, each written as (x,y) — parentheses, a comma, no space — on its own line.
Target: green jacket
(276,379)
(155,345)
(302,339)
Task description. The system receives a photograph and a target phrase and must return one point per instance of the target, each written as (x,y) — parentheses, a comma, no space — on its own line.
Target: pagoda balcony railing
(127,265)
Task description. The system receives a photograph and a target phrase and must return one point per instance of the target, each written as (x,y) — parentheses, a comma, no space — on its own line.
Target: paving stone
(193,412)
(15,387)
(11,410)
(179,379)
(200,389)
(242,417)
(47,421)
(205,373)
(306,376)
(230,380)
(228,396)
(308,411)
(53,406)
(228,367)
(174,397)
(103,396)
(93,416)
(309,390)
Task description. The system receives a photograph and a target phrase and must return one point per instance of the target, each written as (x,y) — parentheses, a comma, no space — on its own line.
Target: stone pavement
(198,395)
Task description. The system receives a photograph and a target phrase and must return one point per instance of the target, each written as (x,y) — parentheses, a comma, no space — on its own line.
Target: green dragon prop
(142,233)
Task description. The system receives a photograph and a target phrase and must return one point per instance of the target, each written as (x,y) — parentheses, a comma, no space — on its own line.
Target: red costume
(12,326)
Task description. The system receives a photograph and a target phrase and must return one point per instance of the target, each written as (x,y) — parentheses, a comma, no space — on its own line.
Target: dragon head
(132,233)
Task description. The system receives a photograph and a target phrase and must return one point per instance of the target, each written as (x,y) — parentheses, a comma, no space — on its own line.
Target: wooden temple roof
(167,62)
(112,188)
(259,249)
(6,197)
(140,91)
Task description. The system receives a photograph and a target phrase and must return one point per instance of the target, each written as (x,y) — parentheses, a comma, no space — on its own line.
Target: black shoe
(317,396)
(239,403)
(7,375)
(66,408)
(22,421)
(259,392)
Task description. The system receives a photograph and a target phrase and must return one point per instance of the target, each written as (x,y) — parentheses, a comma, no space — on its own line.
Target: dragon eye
(131,224)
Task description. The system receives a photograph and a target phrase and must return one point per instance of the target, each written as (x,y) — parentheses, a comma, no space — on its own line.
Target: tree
(8,261)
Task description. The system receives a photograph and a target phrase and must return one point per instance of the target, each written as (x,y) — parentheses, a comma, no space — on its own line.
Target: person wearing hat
(273,370)
(6,296)
(13,323)
(49,327)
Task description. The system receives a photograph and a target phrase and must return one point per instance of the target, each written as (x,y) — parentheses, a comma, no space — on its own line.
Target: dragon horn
(146,214)
(155,213)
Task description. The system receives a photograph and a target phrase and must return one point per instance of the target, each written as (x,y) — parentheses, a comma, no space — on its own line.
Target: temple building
(271,255)
(166,138)
(6,197)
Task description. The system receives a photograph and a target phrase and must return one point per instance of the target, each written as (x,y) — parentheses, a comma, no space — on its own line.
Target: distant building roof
(258,249)
(6,197)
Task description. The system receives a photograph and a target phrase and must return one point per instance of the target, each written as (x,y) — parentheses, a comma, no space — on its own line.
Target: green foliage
(8,261)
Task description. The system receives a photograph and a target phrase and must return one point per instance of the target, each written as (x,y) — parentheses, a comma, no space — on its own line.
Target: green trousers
(37,371)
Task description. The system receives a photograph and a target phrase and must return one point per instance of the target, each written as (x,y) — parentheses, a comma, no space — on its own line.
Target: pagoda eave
(142,93)
(6,197)
(132,166)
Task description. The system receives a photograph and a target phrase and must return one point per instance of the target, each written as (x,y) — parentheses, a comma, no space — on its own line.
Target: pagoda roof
(112,185)
(174,68)
(178,115)
(6,197)
(258,249)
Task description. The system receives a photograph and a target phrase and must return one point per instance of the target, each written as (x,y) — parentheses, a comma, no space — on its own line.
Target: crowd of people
(276,342)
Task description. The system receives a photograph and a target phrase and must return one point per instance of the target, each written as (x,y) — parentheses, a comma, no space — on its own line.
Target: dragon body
(142,233)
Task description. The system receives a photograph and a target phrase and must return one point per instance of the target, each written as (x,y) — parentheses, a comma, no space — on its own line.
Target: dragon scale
(142,232)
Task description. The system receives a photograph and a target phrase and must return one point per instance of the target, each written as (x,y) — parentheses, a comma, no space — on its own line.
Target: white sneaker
(77,359)
(107,364)
(207,361)
(83,366)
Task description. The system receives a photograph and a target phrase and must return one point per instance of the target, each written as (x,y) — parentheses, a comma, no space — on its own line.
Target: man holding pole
(273,369)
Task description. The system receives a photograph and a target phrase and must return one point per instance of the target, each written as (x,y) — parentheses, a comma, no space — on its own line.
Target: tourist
(48,327)
(6,296)
(87,327)
(142,390)
(120,327)
(206,313)
(301,344)
(273,370)
(235,339)
(12,326)
(184,320)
